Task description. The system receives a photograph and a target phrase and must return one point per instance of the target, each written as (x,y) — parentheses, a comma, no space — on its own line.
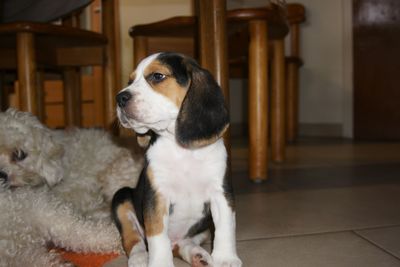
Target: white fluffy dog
(54,187)
(33,218)
(83,166)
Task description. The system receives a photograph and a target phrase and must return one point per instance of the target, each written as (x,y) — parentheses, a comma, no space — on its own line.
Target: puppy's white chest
(184,173)
(187,179)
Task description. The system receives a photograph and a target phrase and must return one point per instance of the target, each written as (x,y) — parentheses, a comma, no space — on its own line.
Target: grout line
(376,245)
(317,233)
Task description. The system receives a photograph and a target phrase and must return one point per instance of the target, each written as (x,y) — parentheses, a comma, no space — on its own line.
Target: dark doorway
(376,39)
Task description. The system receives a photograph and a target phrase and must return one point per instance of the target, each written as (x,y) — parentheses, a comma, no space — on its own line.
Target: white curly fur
(83,166)
(58,191)
(31,218)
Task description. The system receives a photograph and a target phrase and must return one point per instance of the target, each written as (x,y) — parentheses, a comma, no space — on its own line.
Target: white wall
(322,76)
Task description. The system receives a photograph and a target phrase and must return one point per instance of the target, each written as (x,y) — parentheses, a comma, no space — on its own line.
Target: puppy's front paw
(226,260)
(138,259)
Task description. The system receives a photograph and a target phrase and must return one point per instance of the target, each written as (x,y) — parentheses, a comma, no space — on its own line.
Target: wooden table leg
(72,97)
(258,101)
(26,72)
(278,133)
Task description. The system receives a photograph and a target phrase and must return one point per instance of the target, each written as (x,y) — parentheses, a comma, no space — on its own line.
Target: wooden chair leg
(258,101)
(26,72)
(72,97)
(293,84)
(213,40)
(3,93)
(292,101)
(40,95)
(278,133)
(111,81)
(140,49)
(213,47)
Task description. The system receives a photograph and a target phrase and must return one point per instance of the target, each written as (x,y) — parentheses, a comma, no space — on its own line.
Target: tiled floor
(332,203)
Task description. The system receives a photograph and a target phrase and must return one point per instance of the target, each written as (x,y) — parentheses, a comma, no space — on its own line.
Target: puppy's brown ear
(203,117)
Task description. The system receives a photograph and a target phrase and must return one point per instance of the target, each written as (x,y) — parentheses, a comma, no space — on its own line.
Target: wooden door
(376,39)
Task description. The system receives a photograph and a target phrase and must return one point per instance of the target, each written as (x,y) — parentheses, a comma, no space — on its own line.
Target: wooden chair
(28,47)
(249,32)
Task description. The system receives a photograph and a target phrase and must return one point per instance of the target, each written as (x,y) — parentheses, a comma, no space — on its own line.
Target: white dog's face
(171,94)
(28,154)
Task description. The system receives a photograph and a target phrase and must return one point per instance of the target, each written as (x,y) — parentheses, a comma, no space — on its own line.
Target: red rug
(87,260)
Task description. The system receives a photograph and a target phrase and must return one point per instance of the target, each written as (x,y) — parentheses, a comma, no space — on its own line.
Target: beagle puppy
(183,193)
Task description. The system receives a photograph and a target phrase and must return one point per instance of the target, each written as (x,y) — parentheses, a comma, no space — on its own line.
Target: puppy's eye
(157,77)
(18,155)
(130,81)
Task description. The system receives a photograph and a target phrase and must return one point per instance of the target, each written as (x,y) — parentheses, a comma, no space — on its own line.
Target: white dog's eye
(18,155)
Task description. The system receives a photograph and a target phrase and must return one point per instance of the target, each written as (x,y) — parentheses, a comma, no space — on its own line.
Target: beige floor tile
(387,238)
(325,250)
(315,211)
(334,249)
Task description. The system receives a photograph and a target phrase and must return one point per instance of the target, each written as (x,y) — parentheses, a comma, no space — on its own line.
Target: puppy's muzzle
(3,176)
(123,98)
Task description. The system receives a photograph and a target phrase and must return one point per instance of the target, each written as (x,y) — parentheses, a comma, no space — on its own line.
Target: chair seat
(237,28)
(56,45)
(238,19)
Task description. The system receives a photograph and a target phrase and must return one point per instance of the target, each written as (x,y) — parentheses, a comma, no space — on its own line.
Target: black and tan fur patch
(121,206)
(155,209)
(169,86)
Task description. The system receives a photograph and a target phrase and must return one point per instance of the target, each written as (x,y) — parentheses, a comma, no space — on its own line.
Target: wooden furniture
(212,39)
(295,16)
(32,46)
(259,25)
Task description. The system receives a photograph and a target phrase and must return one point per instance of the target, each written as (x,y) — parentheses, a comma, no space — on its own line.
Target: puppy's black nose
(123,98)
(3,176)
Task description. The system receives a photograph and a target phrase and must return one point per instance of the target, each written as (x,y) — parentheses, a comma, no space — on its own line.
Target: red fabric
(87,260)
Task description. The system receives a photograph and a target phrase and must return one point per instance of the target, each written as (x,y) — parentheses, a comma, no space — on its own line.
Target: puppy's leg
(224,252)
(131,232)
(156,224)
(191,251)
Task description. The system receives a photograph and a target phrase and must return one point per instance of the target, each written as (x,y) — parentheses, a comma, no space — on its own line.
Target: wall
(326,49)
